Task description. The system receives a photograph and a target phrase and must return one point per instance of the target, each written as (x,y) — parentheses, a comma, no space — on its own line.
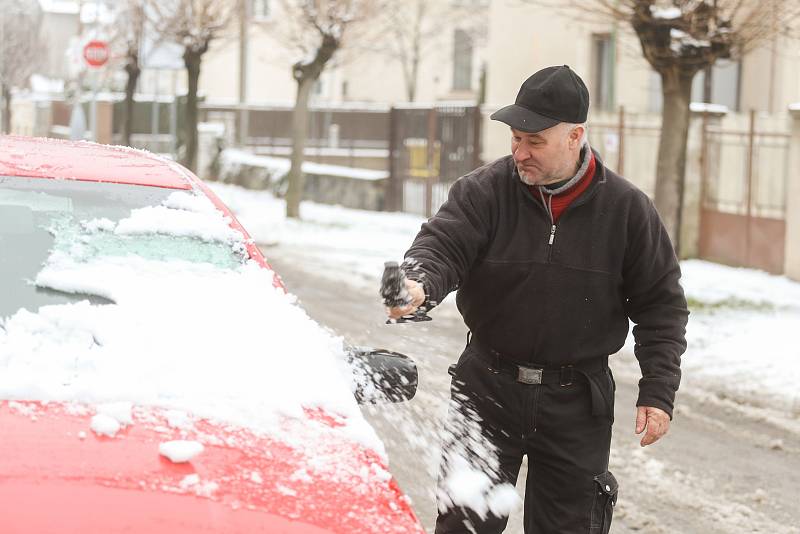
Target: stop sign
(96,53)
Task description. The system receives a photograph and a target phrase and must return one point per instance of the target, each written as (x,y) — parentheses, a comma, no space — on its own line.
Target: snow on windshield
(213,339)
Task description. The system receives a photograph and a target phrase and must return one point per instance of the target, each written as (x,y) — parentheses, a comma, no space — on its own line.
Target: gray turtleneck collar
(564,185)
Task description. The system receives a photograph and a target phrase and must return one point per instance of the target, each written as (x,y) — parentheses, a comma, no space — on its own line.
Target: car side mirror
(382,376)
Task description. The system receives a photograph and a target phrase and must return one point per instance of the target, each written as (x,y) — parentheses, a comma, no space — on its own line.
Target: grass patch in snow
(728,304)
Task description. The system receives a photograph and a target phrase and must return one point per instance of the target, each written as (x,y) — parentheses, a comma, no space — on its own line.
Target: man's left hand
(655,420)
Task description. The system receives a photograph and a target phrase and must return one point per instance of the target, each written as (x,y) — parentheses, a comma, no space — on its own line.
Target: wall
(792,254)
(369,75)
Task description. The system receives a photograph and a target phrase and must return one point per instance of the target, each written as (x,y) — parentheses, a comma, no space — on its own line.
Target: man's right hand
(417,294)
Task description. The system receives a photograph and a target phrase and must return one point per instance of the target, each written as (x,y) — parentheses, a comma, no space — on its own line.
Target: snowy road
(725,467)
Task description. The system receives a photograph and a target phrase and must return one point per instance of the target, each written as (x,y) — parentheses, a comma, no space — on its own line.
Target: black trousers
(568,487)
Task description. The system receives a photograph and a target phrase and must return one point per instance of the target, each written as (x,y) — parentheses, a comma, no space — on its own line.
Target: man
(552,254)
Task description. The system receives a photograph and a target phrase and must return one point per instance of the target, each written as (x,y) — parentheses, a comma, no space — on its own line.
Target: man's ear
(575,135)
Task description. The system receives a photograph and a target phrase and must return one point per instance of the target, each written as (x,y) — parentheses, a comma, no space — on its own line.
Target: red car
(154,374)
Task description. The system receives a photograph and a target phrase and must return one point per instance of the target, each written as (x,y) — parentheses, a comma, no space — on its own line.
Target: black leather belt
(532,373)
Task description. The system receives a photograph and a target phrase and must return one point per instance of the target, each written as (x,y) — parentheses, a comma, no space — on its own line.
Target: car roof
(40,157)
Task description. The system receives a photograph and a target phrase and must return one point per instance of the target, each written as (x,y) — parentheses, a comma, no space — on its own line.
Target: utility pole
(95,75)
(244,45)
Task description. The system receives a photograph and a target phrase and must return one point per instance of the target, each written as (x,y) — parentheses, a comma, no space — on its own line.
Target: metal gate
(430,148)
(743,213)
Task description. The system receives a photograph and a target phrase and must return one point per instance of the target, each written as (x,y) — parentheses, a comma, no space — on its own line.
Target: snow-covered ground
(741,329)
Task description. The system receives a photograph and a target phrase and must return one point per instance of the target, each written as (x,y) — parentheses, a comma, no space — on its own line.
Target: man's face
(546,156)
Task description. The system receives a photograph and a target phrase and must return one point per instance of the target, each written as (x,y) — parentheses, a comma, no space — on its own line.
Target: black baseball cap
(550,96)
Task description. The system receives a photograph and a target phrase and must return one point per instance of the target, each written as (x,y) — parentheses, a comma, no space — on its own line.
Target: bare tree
(315,29)
(678,39)
(127,34)
(20,49)
(417,28)
(195,24)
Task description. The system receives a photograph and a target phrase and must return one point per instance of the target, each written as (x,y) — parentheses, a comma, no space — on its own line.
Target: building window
(603,72)
(655,98)
(462,61)
(259,9)
(723,86)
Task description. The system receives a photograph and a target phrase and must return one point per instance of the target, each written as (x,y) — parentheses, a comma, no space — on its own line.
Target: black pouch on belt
(602,388)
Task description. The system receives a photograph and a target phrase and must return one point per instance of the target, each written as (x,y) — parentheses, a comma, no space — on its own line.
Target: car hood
(59,475)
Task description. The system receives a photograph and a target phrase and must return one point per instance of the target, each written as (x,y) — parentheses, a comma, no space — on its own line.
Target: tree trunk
(192,61)
(411,85)
(133,71)
(299,131)
(413,75)
(671,167)
(6,109)
(305,74)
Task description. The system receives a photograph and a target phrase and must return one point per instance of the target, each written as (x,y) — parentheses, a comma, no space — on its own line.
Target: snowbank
(232,157)
(740,333)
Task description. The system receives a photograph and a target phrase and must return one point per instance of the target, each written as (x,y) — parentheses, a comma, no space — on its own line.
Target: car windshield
(87,220)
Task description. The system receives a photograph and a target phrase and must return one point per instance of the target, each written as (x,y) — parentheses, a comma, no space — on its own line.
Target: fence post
(792,249)
(701,169)
(394,187)
(477,136)
(621,143)
(432,122)
(703,159)
(748,198)
(104,122)
(244,125)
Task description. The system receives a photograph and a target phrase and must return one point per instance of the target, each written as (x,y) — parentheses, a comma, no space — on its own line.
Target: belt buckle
(526,375)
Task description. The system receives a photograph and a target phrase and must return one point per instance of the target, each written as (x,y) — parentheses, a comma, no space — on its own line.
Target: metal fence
(430,148)
(348,136)
(157,124)
(743,208)
(425,148)
(629,144)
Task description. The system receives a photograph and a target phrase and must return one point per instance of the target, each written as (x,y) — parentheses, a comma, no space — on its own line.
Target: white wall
(524,38)
(370,76)
(56,32)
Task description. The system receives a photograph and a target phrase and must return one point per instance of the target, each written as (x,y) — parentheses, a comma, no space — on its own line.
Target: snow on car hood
(218,342)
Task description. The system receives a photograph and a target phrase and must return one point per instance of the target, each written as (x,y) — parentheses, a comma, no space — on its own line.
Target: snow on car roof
(82,160)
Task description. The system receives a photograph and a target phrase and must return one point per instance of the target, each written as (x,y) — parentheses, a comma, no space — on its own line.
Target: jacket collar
(598,180)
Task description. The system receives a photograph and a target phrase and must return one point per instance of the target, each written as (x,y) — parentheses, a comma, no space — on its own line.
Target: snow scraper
(394,293)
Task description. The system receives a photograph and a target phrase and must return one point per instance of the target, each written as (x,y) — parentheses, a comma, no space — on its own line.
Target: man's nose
(520,154)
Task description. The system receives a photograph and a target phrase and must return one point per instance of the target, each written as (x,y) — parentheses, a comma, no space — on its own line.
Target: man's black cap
(550,96)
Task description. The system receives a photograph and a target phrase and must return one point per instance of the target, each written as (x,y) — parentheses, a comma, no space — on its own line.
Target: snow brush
(395,294)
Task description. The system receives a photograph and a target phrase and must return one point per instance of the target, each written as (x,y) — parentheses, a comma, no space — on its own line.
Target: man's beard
(531,180)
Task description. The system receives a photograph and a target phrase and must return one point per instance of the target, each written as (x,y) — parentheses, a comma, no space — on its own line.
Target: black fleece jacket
(554,304)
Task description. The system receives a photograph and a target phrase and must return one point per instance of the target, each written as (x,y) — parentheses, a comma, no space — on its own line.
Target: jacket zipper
(585,197)
(549,209)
